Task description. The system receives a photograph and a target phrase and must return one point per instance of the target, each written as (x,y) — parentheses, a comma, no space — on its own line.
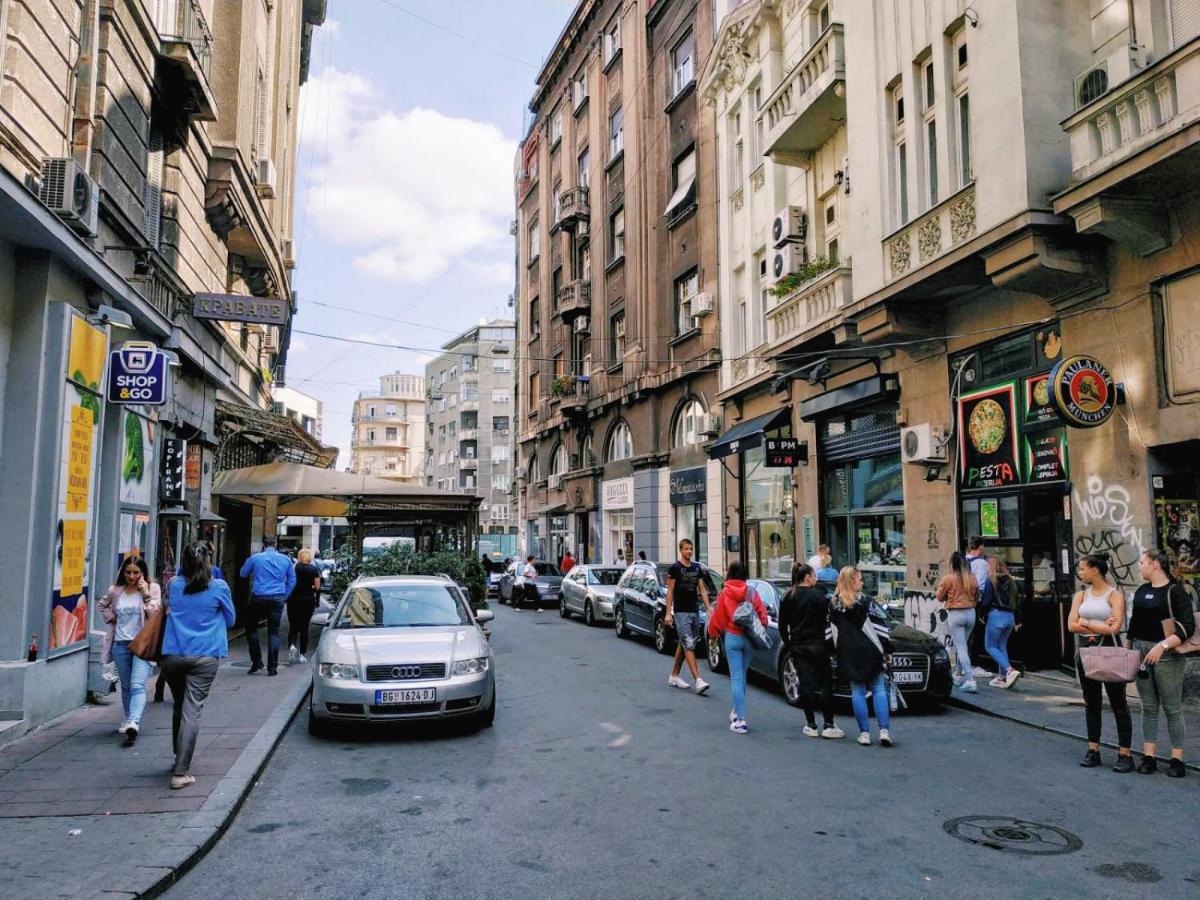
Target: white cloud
(409,192)
(331,27)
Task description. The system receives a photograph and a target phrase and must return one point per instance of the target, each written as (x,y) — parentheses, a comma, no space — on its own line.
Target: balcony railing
(809,307)
(943,228)
(187,41)
(575,399)
(160,286)
(468,462)
(807,107)
(469,405)
(468,434)
(574,299)
(573,207)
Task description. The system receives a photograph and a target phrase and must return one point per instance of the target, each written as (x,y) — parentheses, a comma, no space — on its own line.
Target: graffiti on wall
(1105,524)
(921,610)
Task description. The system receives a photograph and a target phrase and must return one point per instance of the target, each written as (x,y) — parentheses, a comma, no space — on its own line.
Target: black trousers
(300,612)
(1094,702)
(271,609)
(816,680)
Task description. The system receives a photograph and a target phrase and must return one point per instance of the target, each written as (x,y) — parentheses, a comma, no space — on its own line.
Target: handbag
(1190,644)
(147,643)
(746,618)
(1111,665)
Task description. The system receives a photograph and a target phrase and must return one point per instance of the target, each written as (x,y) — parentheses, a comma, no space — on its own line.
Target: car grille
(917,662)
(406,671)
(408,710)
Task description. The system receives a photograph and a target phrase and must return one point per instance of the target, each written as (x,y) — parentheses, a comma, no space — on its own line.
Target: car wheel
(619,622)
(589,617)
(317,727)
(716,656)
(789,680)
(662,636)
(562,606)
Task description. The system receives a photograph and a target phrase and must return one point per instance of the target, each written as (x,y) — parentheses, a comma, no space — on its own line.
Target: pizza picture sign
(1082,392)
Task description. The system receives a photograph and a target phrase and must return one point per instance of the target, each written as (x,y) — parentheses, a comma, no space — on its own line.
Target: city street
(599,781)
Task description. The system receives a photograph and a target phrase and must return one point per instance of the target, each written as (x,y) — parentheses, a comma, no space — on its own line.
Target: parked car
(548,584)
(640,602)
(920,665)
(399,648)
(589,591)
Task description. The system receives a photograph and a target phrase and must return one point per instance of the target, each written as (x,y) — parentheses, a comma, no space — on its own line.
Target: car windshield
(605,576)
(401,605)
(547,569)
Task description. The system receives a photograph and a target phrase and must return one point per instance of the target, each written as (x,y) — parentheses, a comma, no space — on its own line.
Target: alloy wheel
(619,622)
(562,606)
(789,680)
(589,618)
(716,655)
(661,641)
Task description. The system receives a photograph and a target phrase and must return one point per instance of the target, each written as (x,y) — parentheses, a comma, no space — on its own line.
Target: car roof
(381,580)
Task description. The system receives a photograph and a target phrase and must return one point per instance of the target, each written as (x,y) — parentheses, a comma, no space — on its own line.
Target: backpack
(987,595)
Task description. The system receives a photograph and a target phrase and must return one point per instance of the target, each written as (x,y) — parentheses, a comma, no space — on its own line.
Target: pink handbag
(1112,665)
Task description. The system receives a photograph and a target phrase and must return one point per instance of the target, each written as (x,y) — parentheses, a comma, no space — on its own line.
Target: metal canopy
(280,434)
(748,435)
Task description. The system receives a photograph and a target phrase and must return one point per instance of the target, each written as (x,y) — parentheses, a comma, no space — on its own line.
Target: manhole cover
(1013,835)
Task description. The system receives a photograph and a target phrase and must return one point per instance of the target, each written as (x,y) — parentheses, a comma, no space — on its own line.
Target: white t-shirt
(814,562)
(129,615)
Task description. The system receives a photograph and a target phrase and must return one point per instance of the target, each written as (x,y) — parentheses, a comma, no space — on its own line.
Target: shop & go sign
(1082,392)
(137,374)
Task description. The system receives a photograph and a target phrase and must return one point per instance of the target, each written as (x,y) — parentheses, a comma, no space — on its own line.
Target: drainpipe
(83,123)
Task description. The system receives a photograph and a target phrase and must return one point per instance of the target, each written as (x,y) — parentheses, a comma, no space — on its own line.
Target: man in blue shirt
(272,578)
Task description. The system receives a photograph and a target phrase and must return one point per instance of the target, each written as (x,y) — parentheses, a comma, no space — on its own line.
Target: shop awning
(748,434)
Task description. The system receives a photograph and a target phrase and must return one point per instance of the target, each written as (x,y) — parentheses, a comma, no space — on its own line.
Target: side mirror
(484,615)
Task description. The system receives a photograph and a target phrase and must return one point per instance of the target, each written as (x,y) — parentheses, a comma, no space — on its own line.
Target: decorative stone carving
(929,238)
(962,218)
(899,255)
(737,200)
(758,178)
(741,369)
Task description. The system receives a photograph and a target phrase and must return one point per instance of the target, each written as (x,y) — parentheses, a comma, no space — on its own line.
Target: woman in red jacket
(737,647)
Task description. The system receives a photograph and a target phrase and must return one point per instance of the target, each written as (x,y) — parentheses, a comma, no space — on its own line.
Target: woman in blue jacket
(199,610)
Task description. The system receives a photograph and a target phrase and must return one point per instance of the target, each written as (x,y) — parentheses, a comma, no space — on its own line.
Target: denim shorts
(687,628)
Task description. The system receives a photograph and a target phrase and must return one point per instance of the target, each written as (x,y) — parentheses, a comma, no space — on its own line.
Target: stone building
(388,430)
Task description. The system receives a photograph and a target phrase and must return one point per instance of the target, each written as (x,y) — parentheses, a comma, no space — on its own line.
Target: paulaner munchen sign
(240,308)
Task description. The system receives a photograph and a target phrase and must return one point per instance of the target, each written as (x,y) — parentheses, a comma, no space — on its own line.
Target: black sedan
(542,591)
(640,603)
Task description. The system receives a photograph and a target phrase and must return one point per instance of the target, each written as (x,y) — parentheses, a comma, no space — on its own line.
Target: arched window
(687,424)
(535,474)
(586,453)
(558,460)
(620,443)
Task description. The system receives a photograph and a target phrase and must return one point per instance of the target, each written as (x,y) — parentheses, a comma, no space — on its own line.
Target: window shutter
(260,117)
(1185,21)
(154,185)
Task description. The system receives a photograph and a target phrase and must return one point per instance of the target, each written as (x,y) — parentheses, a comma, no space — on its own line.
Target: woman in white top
(1097,617)
(124,608)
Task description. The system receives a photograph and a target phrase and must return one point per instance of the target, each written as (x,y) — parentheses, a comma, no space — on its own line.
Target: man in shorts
(685,588)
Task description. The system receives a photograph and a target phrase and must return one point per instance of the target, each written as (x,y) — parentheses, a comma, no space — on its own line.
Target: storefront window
(864,521)
(691,522)
(767,510)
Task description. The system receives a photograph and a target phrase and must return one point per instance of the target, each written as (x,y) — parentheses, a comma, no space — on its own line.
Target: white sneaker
(864,738)
(732,716)
(677,682)
(885,737)
(970,687)
(738,726)
(121,728)
(832,732)
(292,654)
(301,658)
(811,731)
(998,682)
(701,686)
(1011,678)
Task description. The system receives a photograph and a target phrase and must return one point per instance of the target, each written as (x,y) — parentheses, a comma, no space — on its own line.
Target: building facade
(469,426)
(307,412)
(296,532)
(617,347)
(388,430)
(146,155)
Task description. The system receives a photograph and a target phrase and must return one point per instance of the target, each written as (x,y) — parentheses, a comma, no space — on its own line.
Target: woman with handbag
(124,608)
(1097,614)
(737,645)
(200,609)
(1162,620)
(958,591)
(862,642)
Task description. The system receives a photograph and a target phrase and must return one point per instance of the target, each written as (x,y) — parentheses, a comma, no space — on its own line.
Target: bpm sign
(137,374)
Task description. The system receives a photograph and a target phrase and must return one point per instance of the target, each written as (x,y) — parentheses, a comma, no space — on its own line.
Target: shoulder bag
(746,618)
(1190,644)
(1111,665)
(147,643)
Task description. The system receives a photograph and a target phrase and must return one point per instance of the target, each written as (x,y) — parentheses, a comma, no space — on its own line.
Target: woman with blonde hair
(959,592)
(301,605)
(862,642)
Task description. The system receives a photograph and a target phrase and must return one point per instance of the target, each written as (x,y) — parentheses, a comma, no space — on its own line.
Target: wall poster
(987,430)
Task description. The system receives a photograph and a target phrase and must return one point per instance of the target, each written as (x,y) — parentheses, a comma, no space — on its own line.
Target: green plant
(791,283)
(562,385)
(403,559)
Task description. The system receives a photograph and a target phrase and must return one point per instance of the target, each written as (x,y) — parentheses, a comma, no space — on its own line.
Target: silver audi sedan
(400,648)
(589,591)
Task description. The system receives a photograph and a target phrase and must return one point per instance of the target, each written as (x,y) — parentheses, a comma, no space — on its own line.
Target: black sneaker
(1148,766)
(1176,768)
(254,668)
(1124,764)
(1091,759)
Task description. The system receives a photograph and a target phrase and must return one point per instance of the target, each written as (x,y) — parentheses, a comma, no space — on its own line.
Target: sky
(408,128)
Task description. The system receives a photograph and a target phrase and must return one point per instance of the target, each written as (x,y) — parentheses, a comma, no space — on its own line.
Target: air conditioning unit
(708,425)
(71,194)
(583,325)
(554,482)
(789,226)
(266,178)
(1096,81)
(787,260)
(704,304)
(287,247)
(270,342)
(922,444)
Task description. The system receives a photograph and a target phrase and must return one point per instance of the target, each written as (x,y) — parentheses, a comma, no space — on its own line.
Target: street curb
(205,827)
(983,710)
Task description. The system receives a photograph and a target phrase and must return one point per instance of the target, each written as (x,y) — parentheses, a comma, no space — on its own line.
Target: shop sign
(1038,408)
(1082,392)
(782,453)
(240,308)
(192,467)
(987,439)
(618,493)
(1046,456)
(171,474)
(137,374)
(989,518)
(688,486)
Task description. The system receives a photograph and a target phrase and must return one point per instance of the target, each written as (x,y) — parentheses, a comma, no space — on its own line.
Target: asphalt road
(597,780)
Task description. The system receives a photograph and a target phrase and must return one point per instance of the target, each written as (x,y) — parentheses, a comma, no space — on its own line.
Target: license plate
(906,677)
(405,696)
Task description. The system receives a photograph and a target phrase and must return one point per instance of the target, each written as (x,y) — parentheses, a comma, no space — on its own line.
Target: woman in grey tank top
(1098,616)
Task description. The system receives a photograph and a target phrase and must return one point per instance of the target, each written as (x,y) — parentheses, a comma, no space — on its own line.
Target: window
(556,127)
(618,338)
(560,366)
(500,453)
(927,79)
(535,470)
(535,240)
(616,232)
(501,365)
(823,17)
(502,483)
(616,134)
(452,400)
(501,396)
(500,424)
(154,187)
(500,511)
(585,263)
(370,435)
(558,460)
(371,410)
(582,168)
(931,166)
(586,456)
(683,182)
(898,105)
(960,109)
(740,328)
(612,40)
(687,424)
(535,319)
(556,200)
(757,145)
(682,65)
(579,89)
(390,409)
(899,157)
(686,289)
(736,155)
(620,443)
(831,226)
(390,434)
(964,139)
(535,389)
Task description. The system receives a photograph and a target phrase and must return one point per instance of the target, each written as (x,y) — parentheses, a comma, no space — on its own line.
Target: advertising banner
(987,431)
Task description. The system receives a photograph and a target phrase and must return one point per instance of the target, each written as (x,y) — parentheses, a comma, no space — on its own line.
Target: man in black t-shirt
(686,586)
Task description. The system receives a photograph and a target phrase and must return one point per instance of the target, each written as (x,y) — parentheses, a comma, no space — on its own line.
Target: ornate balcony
(574,400)
(808,308)
(186,56)
(807,107)
(573,207)
(938,231)
(574,299)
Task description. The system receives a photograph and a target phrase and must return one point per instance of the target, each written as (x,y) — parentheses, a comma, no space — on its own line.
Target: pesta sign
(137,374)
(239,308)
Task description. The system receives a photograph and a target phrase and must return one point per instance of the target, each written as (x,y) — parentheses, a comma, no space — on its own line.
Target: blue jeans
(133,673)
(960,623)
(737,649)
(1000,625)
(879,698)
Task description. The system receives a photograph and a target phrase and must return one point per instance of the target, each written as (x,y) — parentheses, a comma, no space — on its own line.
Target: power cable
(458,34)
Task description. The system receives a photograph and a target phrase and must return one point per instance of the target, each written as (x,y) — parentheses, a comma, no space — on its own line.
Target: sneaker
(1176,768)
(1091,759)
(979,671)
(1011,678)
(677,682)
(970,687)
(998,683)
(179,782)
(864,738)
(121,728)
(1148,766)
(832,732)
(1124,764)
(732,716)
(701,686)
(956,678)
(738,726)
(254,667)
(292,654)
(811,731)
(131,735)
(885,737)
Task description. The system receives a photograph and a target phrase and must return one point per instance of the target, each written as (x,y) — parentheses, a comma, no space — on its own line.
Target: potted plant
(562,386)
(792,282)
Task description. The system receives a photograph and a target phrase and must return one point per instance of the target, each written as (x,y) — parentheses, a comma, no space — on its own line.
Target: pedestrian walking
(194,643)
(686,587)
(958,592)
(567,564)
(124,608)
(1098,615)
(737,646)
(1162,620)
(824,569)
(1002,620)
(271,581)
(803,621)
(861,639)
(301,604)
(528,584)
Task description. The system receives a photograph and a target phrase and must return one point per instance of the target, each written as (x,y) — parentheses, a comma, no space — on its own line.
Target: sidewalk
(1053,702)
(81,816)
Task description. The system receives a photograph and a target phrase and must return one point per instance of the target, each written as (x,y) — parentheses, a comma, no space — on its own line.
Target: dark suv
(640,604)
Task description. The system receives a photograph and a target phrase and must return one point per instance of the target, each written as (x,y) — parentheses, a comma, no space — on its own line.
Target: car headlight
(475,666)
(941,658)
(347,671)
